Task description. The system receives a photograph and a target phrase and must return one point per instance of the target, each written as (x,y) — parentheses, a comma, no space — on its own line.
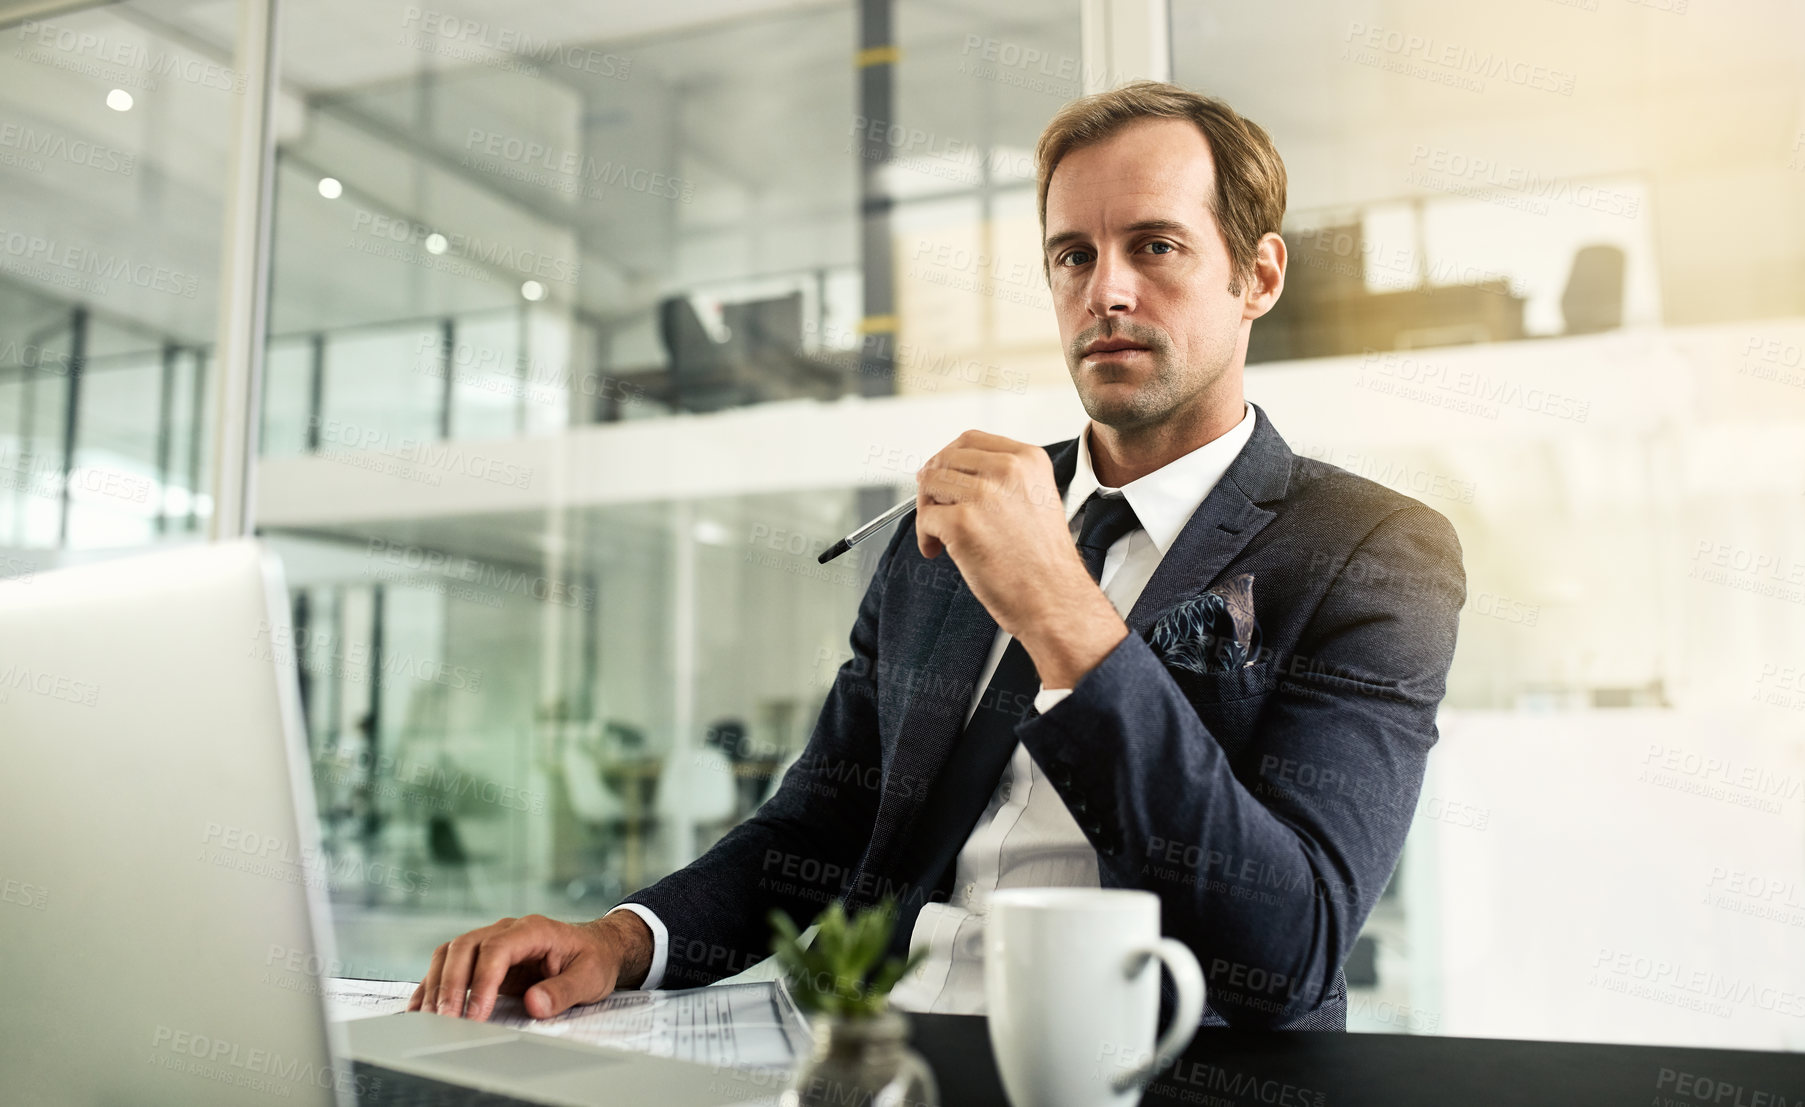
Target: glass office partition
(497,728)
(501,234)
(1544,276)
(563,300)
(114,124)
(974,90)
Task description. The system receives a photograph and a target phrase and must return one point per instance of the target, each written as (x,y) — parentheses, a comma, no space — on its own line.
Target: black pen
(866,531)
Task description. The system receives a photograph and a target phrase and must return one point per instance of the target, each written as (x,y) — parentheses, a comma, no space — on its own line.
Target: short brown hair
(1250,176)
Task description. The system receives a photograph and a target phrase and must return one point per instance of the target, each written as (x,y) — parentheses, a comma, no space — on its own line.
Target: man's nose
(1112,290)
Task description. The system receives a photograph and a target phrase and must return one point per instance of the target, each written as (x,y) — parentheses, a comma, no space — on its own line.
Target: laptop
(161,876)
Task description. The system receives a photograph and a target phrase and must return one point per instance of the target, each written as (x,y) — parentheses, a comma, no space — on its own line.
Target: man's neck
(1120,456)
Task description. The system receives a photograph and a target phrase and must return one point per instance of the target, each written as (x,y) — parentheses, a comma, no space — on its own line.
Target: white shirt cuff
(1047,697)
(661,943)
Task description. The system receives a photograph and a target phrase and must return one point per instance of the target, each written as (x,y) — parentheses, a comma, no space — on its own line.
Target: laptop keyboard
(380,1087)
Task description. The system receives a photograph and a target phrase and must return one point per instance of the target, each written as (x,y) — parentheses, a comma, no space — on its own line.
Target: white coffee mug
(1071,980)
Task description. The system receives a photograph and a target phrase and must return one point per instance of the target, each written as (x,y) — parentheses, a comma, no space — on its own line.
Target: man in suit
(1168,654)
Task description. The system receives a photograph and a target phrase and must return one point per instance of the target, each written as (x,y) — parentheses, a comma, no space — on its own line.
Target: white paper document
(754,1025)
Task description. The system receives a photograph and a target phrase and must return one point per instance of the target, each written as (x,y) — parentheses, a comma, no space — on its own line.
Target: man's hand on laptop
(551,965)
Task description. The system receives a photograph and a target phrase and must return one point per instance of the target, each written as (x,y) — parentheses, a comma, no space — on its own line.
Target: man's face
(1135,259)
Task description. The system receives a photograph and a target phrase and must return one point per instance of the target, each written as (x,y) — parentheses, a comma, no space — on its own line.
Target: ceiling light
(711,533)
(533,290)
(330,188)
(119,100)
(436,244)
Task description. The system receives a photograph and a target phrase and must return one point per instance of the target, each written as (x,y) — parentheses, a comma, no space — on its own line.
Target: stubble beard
(1166,393)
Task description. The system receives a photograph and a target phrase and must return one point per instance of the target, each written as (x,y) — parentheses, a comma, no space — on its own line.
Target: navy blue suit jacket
(1266,806)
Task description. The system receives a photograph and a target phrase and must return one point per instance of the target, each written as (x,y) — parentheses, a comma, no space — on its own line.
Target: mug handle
(914,1070)
(1188,976)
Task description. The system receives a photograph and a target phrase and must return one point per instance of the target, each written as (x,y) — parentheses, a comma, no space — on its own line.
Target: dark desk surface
(1225,1067)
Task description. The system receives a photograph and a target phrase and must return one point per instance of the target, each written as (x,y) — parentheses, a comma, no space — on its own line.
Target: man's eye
(1168,246)
(1075,257)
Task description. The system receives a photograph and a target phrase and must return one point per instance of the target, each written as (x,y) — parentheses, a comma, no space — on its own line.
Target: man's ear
(1268,277)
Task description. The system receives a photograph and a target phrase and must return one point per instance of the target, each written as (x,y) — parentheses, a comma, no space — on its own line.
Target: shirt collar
(1165,499)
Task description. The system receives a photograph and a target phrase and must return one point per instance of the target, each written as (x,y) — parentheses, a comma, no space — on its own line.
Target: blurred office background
(590,325)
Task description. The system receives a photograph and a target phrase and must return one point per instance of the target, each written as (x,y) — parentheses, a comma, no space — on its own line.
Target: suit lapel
(952,658)
(1221,527)
(950,662)
(1199,555)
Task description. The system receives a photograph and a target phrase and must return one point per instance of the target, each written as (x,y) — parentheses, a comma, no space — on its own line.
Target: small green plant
(839,973)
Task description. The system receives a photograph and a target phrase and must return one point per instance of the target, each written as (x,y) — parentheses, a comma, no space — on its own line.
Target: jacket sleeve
(1269,879)
(799,851)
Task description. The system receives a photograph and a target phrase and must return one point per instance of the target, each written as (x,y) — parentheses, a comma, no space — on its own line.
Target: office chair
(770,332)
(761,360)
(1593,301)
(695,790)
(602,814)
(705,375)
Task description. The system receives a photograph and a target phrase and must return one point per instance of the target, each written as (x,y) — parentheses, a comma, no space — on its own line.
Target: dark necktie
(963,788)
(1106,520)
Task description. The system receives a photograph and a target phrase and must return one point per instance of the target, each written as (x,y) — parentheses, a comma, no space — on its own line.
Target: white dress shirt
(1026,838)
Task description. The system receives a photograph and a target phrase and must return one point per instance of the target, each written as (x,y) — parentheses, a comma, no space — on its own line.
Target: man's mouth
(1113,346)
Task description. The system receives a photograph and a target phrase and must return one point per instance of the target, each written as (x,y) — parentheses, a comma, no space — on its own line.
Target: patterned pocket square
(1210,633)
